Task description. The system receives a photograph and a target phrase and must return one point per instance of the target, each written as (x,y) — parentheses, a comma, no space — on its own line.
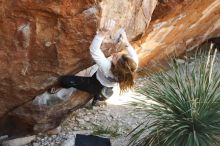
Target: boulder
(42,40)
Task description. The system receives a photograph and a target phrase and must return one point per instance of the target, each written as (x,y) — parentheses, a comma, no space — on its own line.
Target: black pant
(88,84)
(91,140)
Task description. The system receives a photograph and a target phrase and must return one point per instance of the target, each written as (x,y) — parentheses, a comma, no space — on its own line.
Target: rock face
(41,40)
(178,26)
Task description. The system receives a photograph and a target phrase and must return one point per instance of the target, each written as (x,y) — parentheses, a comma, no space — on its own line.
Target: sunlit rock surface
(178,26)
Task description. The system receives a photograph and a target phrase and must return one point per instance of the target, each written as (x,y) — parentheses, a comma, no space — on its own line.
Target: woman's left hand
(124,38)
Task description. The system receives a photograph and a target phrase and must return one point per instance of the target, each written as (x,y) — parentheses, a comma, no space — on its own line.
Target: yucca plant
(185,107)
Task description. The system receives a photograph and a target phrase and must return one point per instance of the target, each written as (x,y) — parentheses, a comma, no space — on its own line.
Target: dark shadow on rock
(14,127)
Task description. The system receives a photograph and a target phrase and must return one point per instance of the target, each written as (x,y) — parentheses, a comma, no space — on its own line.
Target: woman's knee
(65,81)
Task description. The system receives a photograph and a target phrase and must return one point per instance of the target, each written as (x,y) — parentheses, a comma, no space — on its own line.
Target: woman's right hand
(108,26)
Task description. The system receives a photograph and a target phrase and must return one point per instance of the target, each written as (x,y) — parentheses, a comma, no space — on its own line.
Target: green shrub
(185,107)
(113,131)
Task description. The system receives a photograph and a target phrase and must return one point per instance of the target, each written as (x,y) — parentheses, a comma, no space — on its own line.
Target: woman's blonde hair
(125,72)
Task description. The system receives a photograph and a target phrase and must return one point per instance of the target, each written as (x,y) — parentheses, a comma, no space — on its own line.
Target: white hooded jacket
(104,74)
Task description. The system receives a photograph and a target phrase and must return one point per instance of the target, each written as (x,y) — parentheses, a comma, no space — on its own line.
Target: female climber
(120,69)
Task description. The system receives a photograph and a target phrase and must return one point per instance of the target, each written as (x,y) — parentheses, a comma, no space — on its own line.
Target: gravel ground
(112,119)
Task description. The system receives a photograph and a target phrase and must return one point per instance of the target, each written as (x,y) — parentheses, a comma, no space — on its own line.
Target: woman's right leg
(88,84)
